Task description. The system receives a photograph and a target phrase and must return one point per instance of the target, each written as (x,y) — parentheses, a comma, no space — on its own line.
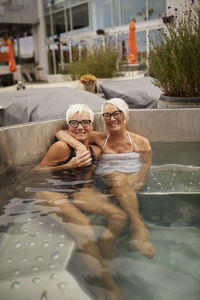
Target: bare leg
(94,202)
(80,228)
(124,191)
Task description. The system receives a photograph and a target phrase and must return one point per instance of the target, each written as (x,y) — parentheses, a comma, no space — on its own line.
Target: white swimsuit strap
(106,140)
(131,142)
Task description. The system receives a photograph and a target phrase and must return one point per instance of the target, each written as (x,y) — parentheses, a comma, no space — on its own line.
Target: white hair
(74,108)
(119,103)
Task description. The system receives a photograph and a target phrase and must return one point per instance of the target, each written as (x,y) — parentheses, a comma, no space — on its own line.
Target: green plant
(175,57)
(102,62)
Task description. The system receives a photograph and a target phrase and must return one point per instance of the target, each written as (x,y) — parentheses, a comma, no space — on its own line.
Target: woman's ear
(123,118)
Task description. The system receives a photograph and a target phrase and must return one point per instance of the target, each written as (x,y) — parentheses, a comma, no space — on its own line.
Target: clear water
(34,243)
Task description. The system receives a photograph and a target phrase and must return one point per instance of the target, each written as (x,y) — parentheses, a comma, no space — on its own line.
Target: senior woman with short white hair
(124,165)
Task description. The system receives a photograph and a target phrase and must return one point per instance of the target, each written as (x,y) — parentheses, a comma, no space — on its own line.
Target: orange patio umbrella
(132,44)
(12,63)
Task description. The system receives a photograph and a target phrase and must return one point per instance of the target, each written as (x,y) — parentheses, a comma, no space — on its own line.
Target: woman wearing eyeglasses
(124,165)
(70,206)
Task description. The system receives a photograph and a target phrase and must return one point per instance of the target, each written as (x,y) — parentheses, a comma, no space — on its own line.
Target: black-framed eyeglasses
(116,114)
(84,123)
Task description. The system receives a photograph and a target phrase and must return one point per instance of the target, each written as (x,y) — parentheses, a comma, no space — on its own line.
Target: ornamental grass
(175,57)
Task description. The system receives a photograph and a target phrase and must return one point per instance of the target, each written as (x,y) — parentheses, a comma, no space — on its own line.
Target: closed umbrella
(132,44)
(12,63)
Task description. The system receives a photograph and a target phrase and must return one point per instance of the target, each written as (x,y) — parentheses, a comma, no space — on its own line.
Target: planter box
(178,102)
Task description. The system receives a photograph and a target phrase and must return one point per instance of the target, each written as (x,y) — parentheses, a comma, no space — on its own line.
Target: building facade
(75,24)
(62,29)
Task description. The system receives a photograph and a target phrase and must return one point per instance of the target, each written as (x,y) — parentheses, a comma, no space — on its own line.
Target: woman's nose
(81,126)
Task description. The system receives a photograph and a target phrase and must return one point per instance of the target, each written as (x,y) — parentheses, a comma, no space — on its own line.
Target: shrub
(102,62)
(175,58)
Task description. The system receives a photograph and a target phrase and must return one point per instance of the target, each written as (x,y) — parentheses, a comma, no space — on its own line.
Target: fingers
(81,149)
(84,161)
(85,154)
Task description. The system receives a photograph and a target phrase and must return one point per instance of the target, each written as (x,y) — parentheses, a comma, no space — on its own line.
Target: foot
(141,243)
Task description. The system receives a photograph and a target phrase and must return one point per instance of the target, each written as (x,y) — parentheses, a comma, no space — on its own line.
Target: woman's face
(113,117)
(80,126)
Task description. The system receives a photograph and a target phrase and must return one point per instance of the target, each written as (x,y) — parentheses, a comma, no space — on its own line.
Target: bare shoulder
(140,142)
(99,133)
(56,153)
(60,146)
(98,137)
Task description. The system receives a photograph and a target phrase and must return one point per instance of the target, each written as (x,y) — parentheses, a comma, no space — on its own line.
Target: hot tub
(38,257)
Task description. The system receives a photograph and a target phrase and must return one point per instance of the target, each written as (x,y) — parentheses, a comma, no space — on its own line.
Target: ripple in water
(51,266)
(31,244)
(15,285)
(18,244)
(24,259)
(62,285)
(39,258)
(55,255)
(54,276)
(16,271)
(36,280)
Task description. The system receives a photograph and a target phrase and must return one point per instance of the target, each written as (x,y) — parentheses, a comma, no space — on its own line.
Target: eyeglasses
(84,123)
(116,114)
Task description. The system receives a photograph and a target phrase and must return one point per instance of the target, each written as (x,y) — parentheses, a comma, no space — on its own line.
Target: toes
(145,248)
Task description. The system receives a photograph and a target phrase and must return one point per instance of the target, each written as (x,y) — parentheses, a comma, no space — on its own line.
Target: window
(123,45)
(80,17)
(45,3)
(156,7)
(50,61)
(58,23)
(101,14)
(48,26)
(68,20)
(116,21)
(141,46)
(73,2)
(155,35)
(57,6)
(133,9)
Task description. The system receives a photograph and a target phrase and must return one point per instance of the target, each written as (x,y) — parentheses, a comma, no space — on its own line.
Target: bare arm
(146,158)
(142,146)
(96,138)
(63,135)
(59,152)
(141,176)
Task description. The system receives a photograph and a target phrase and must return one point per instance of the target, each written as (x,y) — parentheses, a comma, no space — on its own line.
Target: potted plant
(174,60)
(89,82)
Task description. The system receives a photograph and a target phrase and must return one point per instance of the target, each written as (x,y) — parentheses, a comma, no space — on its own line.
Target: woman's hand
(82,160)
(81,149)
